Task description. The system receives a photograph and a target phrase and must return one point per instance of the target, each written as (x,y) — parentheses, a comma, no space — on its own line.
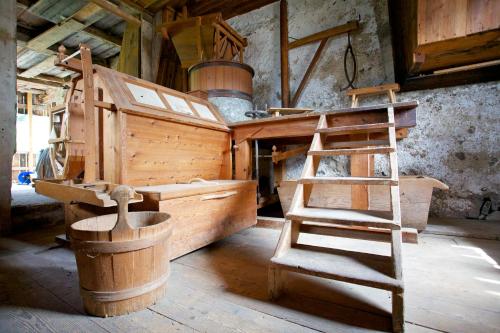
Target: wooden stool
(390,89)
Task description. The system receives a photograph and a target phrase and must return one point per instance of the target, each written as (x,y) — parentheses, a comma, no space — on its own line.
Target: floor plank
(452,285)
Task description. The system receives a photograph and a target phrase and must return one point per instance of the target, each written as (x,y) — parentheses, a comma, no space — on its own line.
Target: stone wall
(456,138)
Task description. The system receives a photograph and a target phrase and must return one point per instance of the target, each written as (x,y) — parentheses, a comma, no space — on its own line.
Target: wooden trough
(122,259)
(415,195)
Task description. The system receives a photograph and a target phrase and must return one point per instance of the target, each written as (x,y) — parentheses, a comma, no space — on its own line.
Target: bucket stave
(122,259)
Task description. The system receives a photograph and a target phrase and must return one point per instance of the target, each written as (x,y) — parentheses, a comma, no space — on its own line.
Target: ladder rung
(355,129)
(349,180)
(356,144)
(366,269)
(352,151)
(344,217)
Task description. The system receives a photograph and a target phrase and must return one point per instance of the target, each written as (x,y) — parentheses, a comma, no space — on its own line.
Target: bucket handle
(122,194)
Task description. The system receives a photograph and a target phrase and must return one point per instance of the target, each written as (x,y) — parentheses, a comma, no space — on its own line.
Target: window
(204,111)
(178,104)
(145,95)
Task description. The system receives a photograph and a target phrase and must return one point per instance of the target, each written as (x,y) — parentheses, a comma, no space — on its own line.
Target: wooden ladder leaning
(377,271)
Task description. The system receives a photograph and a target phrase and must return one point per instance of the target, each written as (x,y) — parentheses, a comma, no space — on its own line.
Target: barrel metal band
(113,296)
(229,93)
(119,246)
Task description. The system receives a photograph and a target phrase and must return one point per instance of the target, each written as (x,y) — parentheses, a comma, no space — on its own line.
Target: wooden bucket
(122,259)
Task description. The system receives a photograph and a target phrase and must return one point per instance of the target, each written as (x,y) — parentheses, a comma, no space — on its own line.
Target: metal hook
(349,51)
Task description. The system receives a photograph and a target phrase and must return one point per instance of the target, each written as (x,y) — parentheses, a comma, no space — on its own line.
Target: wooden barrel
(222,78)
(122,259)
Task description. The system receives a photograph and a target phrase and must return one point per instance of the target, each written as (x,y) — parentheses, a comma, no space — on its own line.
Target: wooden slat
(352,151)
(309,71)
(344,217)
(349,180)
(382,89)
(354,267)
(341,29)
(410,235)
(114,9)
(355,129)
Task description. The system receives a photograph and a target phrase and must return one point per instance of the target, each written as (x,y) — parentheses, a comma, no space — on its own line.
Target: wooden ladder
(383,272)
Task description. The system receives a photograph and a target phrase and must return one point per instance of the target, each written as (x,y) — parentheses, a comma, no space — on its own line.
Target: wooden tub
(415,193)
(122,259)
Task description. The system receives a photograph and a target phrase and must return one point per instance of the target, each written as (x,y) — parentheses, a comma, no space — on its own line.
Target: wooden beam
(308,72)
(433,81)
(40,81)
(341,29)
(114,9)
(285,79)
(146,53)
(129,61)
(104,37)
(91,118)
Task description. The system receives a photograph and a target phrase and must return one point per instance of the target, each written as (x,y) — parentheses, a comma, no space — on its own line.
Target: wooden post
(243,160)
(91,118)
(146,53)
(361,166)
(129,61)
(29,107)
(7,107)
(285,80)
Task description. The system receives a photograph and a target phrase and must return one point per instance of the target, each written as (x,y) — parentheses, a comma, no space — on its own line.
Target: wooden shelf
(354,267)
(350,217)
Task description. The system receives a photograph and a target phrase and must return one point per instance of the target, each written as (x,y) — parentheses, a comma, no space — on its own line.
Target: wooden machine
(173,148)
(212,51)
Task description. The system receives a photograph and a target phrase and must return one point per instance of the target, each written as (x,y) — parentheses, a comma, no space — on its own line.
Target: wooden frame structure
(203,38)
(285,48)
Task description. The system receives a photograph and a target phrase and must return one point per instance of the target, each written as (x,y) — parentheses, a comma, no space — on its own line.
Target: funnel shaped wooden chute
(203,38)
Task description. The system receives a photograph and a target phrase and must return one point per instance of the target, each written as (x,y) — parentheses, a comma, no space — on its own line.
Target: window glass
(145,95)
(204,111)
(178,104)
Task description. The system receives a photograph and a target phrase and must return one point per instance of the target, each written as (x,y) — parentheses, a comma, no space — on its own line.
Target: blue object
(24,178)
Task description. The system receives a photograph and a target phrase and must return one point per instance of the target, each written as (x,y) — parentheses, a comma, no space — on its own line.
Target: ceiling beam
(104,37)
(114,9)
(40,82)
(86,16)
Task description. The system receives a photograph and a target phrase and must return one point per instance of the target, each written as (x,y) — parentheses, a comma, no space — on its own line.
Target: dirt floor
(452,285)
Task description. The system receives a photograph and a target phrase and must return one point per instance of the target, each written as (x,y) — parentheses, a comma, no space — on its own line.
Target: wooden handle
(122,194)
(201,180)
(218,196)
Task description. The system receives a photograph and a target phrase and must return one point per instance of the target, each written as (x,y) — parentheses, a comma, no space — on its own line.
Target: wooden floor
(452,285)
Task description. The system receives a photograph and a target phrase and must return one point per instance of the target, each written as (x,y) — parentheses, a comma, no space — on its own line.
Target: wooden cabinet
(443,34)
